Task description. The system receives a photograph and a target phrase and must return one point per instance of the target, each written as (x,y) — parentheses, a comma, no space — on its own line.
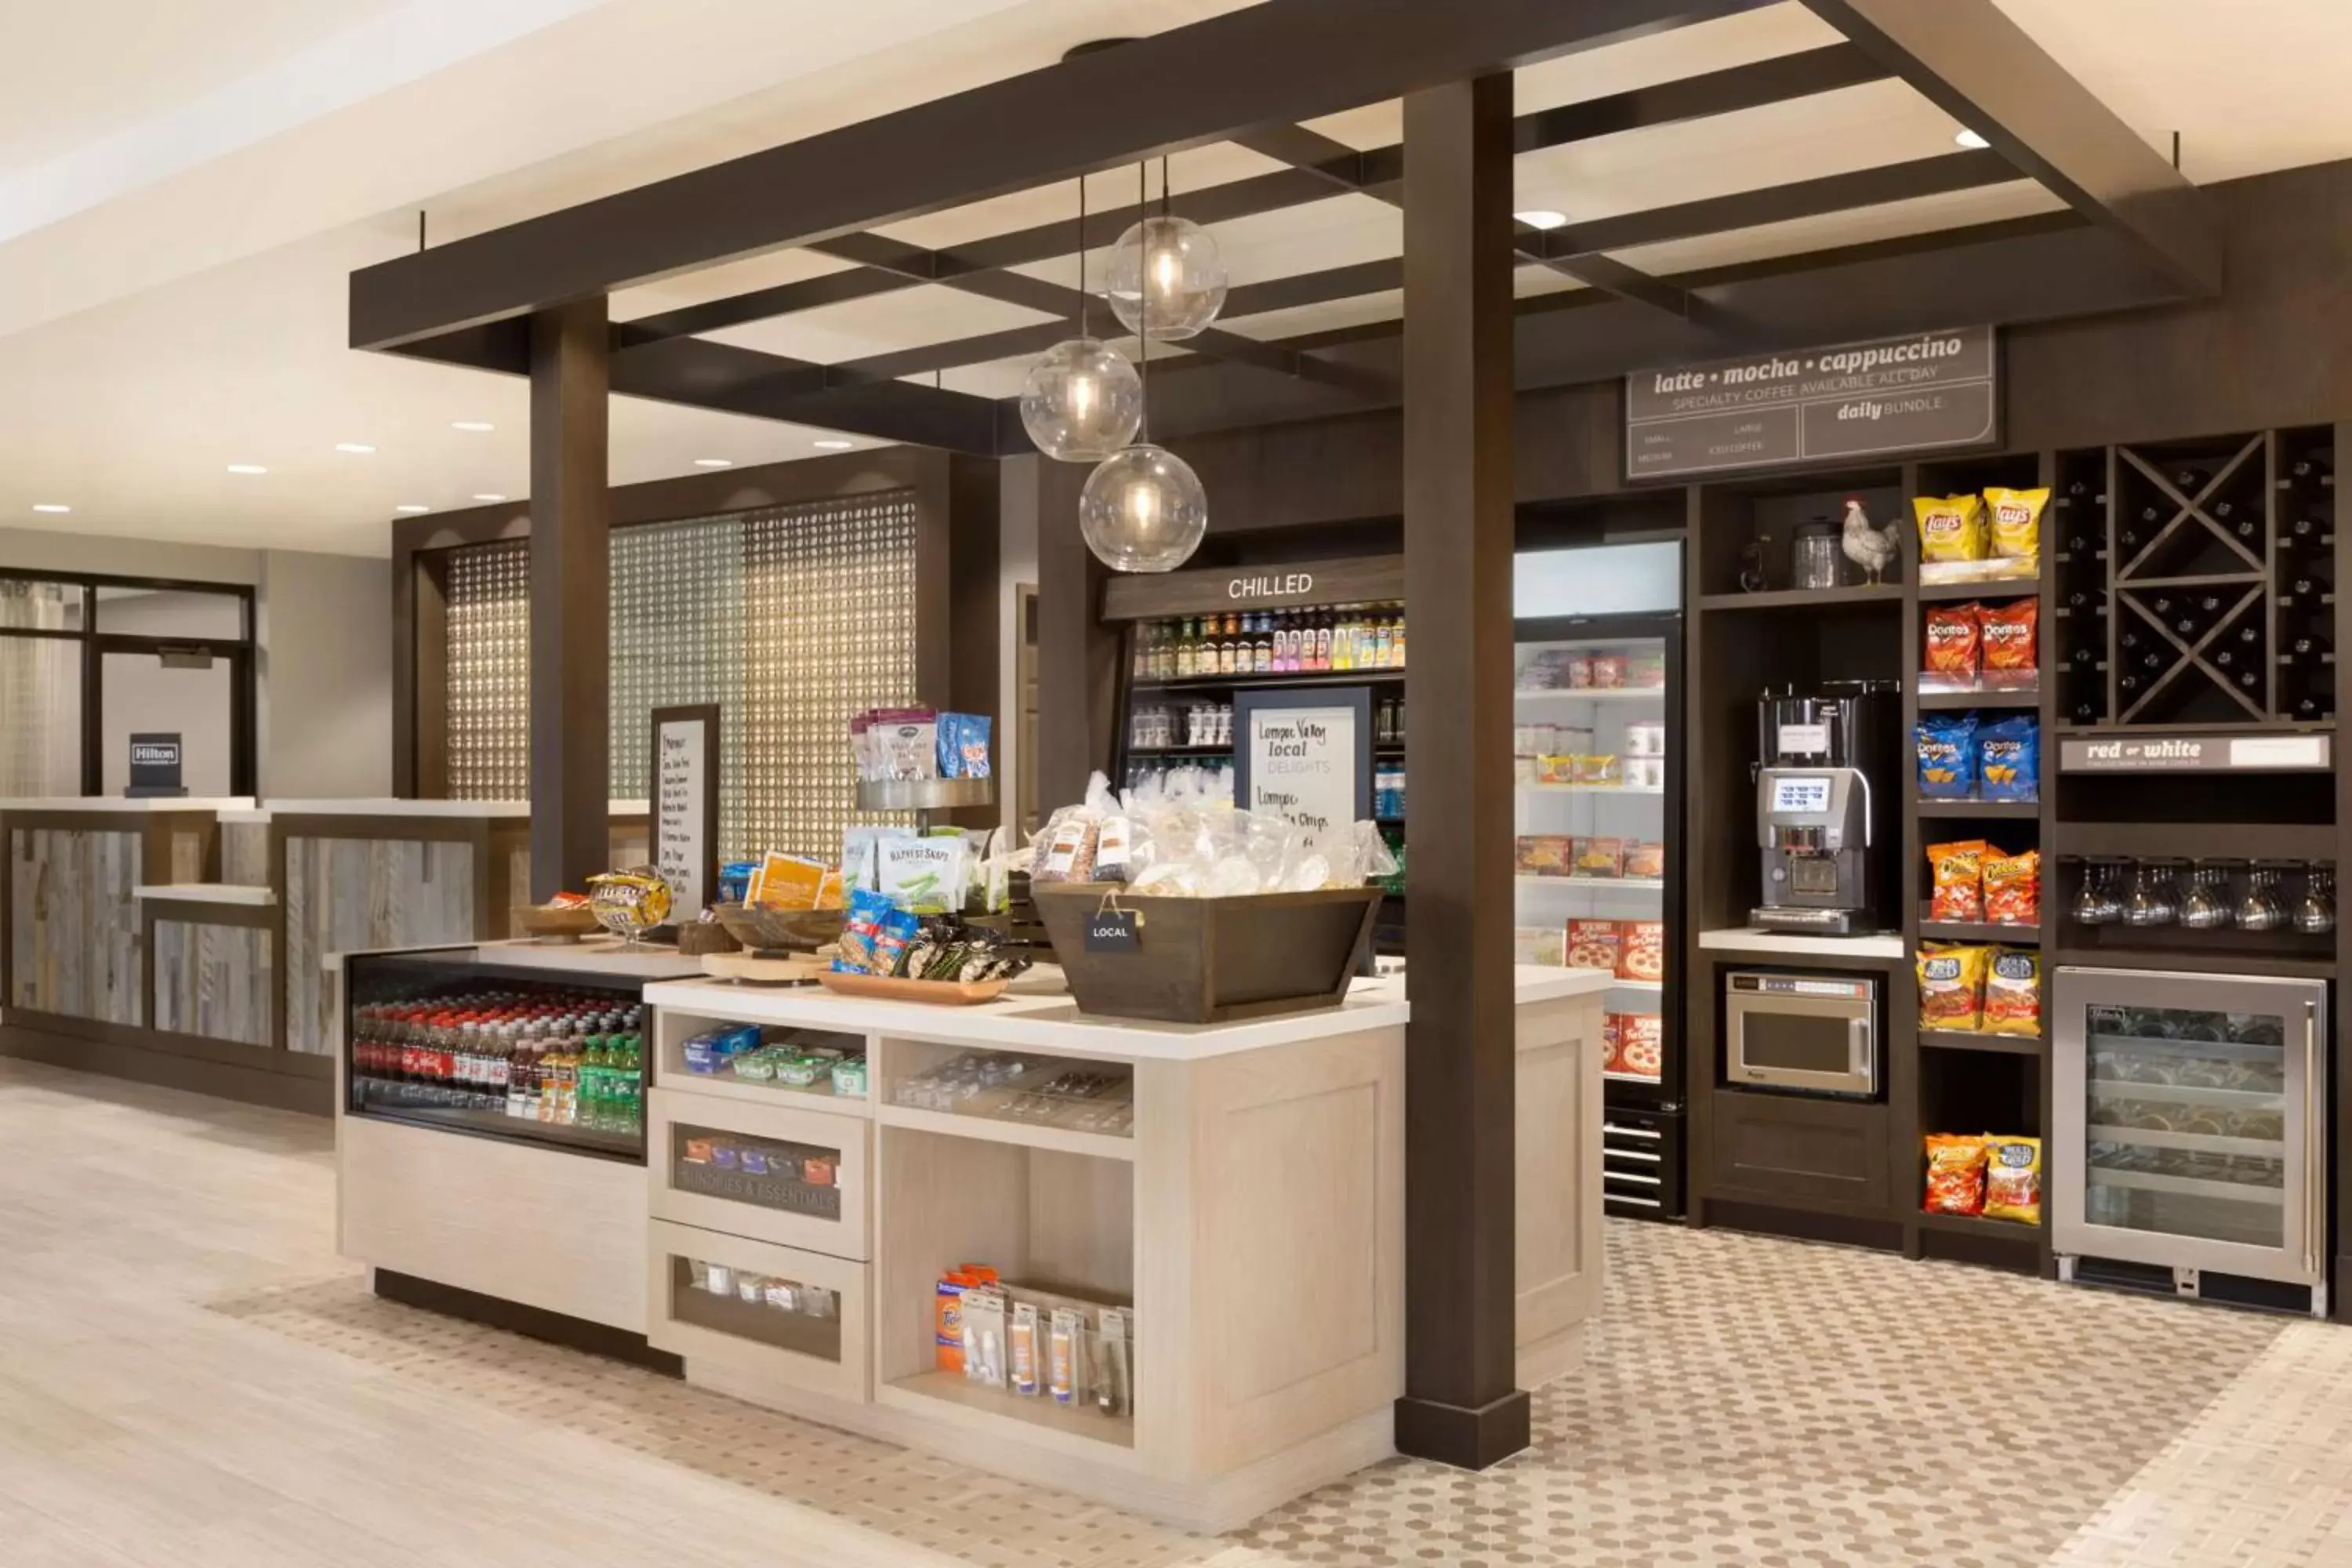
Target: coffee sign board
(1923,392)
(2195,754)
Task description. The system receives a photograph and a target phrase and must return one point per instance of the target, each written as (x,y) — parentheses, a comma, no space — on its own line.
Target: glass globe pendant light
(1081,401)
(1144,510)
(1165,279)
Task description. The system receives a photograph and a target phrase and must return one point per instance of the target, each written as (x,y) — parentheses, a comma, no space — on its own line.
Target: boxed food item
(1544,854)
(1645,857)
(1599,858)
(1595,768)
(1545,945)
(1644,951)
(1553,769)
(1608,671)
(1595,944)
(1641,1044)
(1645,737)
(1612,1040)
(1645,669)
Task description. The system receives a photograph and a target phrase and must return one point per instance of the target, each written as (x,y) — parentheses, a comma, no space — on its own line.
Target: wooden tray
(752,970)
(556,927)
(888,988)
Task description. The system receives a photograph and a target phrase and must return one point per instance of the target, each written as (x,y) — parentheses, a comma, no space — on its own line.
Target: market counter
(1237,1191)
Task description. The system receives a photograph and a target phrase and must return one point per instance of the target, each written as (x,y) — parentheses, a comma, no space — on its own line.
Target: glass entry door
(2191,1122)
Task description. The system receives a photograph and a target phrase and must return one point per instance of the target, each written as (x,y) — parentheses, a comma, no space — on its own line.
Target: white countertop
(594,956)
(1545,983)
(204,893)
(495,809)
(1050,1023)
(1748,939)
(116,803)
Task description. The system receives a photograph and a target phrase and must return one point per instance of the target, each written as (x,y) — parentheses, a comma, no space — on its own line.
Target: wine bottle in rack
(2190,480)
(2244,522)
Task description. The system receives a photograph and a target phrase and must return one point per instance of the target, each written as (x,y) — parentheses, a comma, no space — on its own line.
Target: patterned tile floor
(1744,1401)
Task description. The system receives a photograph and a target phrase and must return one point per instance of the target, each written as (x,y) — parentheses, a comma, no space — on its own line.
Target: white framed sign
(1306,757)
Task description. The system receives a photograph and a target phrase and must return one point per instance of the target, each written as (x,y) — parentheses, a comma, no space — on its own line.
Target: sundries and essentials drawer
(773,1173)
(760,1310)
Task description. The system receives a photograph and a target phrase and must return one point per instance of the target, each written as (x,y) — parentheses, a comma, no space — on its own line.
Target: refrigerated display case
(464,1043)
(2191,1131)
(1597,742)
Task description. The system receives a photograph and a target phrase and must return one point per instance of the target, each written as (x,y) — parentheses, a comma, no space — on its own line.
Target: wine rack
(2196,582)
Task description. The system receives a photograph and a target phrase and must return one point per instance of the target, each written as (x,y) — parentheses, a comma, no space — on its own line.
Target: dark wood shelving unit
(2003,588)
(1948,701)
(1805,598)
(1997,1045)
(2024,810)
(1980,930)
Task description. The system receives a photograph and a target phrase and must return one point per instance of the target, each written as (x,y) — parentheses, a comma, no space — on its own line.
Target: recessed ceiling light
(834,445)
(247,468)
(487,495)
(361,447)
(471,425)
(1542,218)
(714,462)
(50,506)
(412,507)
(1972,140)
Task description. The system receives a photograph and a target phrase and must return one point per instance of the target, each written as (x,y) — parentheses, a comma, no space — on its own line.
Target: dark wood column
(1077,656)
(571,600)
(1461,1405)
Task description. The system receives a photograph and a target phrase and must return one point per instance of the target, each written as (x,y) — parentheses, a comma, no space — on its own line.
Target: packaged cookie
(1595,944)
(1951,528)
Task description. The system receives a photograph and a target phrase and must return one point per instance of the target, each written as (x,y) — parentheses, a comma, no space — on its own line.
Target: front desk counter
(1251,1213)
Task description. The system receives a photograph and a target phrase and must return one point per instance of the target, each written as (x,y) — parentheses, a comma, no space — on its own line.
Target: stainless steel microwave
(1813,1033)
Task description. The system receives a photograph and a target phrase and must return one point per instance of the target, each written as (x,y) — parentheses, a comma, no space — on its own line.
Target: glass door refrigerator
(1597,742)
(2192,1135)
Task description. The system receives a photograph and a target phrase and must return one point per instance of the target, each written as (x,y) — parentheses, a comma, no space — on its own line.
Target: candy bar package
(2010,753)
(1947,745)
(2016,521)
(1951,528)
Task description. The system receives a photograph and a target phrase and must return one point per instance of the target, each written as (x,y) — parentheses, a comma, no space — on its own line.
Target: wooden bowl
(557,924)
(779,931)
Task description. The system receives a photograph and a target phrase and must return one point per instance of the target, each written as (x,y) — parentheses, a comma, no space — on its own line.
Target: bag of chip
(2012,1188)
(1955,643)
(1951,528)
(1956,1173)
(1947,756)
(2010,753)
(2012,993)
(1955,870)
(2016,521)
(2009,637)
(1951,987)
(2012,887)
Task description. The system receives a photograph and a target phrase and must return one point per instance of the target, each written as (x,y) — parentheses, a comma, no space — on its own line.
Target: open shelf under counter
(976,1407)
(1973,1040)
(1004,1129)
(2016,1230)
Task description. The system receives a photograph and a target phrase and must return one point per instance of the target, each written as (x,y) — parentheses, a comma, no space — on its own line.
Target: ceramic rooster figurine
(1867,546)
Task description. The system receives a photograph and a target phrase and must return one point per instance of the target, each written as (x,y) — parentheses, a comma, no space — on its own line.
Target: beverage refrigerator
(2190,1137)
(1596,758)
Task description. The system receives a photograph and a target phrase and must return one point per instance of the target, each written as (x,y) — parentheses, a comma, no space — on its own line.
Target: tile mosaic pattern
(1745,1401)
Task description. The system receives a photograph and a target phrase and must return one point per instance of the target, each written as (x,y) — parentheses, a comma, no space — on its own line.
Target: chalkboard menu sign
(1919,393)
(684,805)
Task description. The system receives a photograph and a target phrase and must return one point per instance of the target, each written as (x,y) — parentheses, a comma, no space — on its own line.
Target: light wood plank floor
(138,1426)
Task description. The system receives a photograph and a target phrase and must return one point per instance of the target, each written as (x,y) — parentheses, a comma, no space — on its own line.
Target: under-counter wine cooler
(2192,1133)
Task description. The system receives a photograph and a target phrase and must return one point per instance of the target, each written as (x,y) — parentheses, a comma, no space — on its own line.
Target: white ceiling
(184,190)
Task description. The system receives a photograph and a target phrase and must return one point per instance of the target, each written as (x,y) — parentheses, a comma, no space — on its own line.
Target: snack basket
(1212,961)
(766,932)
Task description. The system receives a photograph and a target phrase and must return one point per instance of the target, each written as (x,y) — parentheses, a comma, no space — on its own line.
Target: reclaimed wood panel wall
(216,981)
(344,894)
(244,854)
(74,927)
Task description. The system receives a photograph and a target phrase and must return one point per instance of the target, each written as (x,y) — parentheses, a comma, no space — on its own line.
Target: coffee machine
(1828,806)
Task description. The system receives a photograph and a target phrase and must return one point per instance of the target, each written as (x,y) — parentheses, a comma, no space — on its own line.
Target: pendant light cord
(1082,256)
(1144,307)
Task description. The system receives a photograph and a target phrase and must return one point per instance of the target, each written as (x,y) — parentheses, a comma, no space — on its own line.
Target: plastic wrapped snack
(2009,754)
(1947,756)
(2012,889)
(2011,639)
(1954,644)
(1956,1173)
(1951,987)
(2012,993)
(2016,521)
(1957,873)
(1951,528)
(2013,1179)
